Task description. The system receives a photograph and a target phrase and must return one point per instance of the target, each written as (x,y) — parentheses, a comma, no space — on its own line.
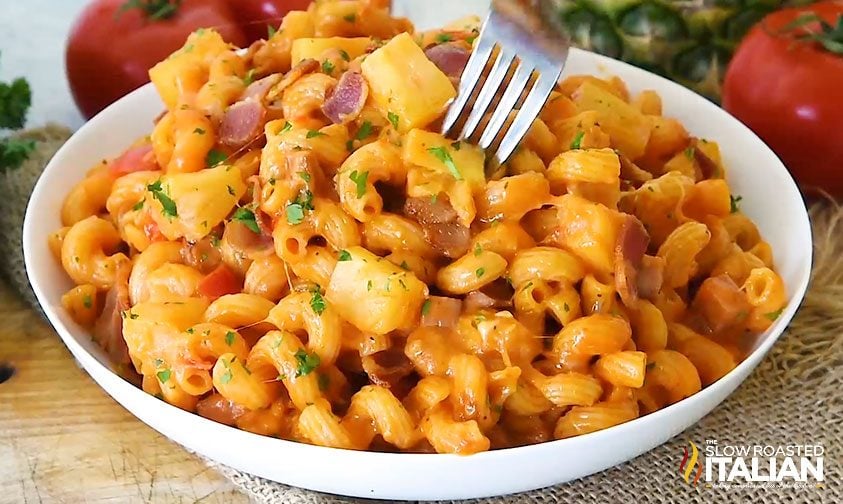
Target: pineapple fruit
(689,41)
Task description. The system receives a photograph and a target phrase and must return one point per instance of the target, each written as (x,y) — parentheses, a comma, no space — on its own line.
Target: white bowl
(770,197)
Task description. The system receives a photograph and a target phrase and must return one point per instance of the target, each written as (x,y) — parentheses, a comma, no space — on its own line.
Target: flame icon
(686,467)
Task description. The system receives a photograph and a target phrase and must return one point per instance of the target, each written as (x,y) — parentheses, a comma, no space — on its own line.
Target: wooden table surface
(64,440)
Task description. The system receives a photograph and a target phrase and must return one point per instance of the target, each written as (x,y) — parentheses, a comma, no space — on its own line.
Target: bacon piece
(219,409)
(478,300)
(650,277)
(441,229)
(388,367)
(450,58)
(139,158)
(441,312)
(303,68)
(721,303)
(201,255)
(426,211)
(630,247)
(347,99)
(242,123)
(108,329)
(259,89)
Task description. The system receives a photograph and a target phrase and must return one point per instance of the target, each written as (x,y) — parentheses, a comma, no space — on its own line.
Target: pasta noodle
(302,255)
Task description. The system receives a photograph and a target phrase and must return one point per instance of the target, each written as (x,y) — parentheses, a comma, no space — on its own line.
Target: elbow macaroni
(482,311)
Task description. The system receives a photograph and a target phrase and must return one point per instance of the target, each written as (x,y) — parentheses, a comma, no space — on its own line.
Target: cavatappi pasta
(296,252)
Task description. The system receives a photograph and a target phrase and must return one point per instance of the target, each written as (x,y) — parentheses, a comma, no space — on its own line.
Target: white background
(33,35)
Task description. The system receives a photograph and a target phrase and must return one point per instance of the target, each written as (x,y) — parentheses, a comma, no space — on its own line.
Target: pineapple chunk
(420,147)
(314,48)
(198,201)
(403,82)
(178,73)
(628,128)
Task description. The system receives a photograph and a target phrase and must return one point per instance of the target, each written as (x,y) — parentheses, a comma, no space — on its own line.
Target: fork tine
(471,76)
(529,111)
(490,89)
(510,98)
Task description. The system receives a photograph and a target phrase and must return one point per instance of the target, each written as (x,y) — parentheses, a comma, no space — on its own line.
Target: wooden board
(63,439)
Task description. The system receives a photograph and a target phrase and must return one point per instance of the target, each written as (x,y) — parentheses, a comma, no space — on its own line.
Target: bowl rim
(103,374)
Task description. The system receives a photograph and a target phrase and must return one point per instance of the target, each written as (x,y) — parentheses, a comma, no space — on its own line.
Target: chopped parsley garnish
(271,31)
(295,214)
(199,131)
(168,206)
(774,315)
(247,218)
(215,158)
(328,67)
(369,285)
(405,266)
(444,37)
(344,256)
(305,176)
(250,77)
(566,307)
(442,154)
(287,126)
(478,250)
(350,17)
(735,202)
(229,338)
(344,55)
(305,362)
(324,381)
(360,180)
(349,146)
(314,134)
(480,272)
(87,301)
(164,375)
(14,151)
(317,302)
(365,131)
(456,146)
(137,206)
(230,190)
(394,119)
(689,153)
(426,307)
(576,143)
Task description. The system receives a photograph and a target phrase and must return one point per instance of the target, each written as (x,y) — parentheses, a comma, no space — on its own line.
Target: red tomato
(138,158)
(788,88)
(256,16)
(110,51)
(220,282)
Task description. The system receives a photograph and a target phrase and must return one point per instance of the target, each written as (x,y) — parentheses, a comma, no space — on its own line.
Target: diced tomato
(151,230)
(139,158)
(220,282)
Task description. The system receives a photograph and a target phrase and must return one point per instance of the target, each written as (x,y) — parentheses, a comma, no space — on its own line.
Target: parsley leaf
(442,154)
(344,256)
(87,301)
(405,266)
(360,180)
(15,99)
(314,134)
(689,153)
(13,152)
(735,202)
(168,206)
(426,307)
(350,17)
(247,218)
(365,131)
(304,176)
(271,31)
(576,143)
(295,214)
(394,119)
(480,272)
(317,302)
(229,338)
(250,77)
(478,250)
(199,131)
(164,376)
(215,157)
(328,67)
(287,126)
(774,315)
(345,55)
(444,37)
(305,362)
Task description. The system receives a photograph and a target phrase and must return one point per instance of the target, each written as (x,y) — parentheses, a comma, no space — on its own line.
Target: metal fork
(531,50)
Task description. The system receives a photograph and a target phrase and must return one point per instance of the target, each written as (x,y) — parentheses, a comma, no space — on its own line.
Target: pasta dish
(295,251)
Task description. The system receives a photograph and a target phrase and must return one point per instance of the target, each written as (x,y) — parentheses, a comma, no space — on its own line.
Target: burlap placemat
(795,396)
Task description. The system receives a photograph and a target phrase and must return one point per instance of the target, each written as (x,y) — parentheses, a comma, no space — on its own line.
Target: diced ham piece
(219,409)
(138,158)
(347,99)
(260,88)
(303,68)
(630,248)
(650,277)
(441,229)
(388,367)
(478,300)
(108,329)
(721,303)
(242,123)
(441,312)
(450,58)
